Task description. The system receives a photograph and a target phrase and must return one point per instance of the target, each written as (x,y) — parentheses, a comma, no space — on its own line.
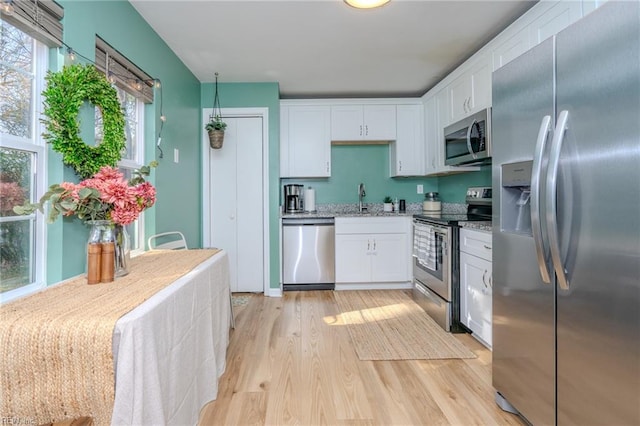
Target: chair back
(173,240)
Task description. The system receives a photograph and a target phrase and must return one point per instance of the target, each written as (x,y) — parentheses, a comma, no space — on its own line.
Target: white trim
(374,286)
(275,292)
(206,213)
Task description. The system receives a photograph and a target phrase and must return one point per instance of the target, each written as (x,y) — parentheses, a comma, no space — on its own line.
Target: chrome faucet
(361,195)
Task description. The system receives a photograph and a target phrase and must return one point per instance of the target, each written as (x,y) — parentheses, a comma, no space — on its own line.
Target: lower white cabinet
(476,285)
(372,249)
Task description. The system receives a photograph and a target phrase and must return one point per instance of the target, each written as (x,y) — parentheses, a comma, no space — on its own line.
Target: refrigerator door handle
(536,174)
(552,192)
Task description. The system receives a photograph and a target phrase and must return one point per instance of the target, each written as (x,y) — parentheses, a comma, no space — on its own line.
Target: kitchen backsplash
(351,165)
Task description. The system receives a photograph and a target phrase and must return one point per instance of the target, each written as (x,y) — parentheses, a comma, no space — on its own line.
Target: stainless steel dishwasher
(308,253)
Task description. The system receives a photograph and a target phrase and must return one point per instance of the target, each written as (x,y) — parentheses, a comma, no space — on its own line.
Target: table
(165,355)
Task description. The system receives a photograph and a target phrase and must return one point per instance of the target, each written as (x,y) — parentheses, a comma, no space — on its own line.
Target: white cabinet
(476,285)
(372,250)
(511,48)
(406,153)
(471,91)
(363,122)
(435,113)
(557,18)
(305,141)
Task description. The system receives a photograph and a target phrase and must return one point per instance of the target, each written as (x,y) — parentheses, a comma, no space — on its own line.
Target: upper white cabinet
(511,48)
(471,91)
(305,141)
(557,18)
(363,122)
(406,153)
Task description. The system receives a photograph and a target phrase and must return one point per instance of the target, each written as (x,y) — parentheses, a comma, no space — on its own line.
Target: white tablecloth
(170,351)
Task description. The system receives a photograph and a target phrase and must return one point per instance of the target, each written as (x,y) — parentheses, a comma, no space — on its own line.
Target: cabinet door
(460,94)
(309,143)
(346,123)
(390,258)
(379,122)
(481,85)
(406,154)
(431,135)
(475,296)
(511,48)
(554,20)
(353,258)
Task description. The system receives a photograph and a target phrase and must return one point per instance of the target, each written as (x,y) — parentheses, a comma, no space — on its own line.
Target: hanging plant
(66,91)
(215,127)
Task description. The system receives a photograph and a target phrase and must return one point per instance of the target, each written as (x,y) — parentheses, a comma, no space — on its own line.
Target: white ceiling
(324,48)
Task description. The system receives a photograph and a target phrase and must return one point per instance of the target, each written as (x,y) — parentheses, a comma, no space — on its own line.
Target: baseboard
(374,286)
(274,292)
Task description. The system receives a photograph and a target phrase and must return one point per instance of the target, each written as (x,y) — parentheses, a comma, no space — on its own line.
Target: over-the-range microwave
(468,141)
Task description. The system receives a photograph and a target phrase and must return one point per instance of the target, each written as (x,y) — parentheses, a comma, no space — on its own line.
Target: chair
(175,240)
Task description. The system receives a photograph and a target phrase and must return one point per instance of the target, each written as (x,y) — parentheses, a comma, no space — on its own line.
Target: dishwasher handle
(320,221)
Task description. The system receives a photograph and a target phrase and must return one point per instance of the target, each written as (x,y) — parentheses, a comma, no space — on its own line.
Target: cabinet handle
(486,246)
(484,281)
(491,280)
(361,130)
(374,245)
(400,165)
(327,166)
(366,128)
(368,245)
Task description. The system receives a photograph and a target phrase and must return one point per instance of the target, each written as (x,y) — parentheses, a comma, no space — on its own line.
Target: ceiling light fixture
(366,4)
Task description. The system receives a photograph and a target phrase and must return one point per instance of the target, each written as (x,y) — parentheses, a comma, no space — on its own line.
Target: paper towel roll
(309,200)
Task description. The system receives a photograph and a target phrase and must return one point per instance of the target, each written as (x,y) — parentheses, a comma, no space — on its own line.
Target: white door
(236,201)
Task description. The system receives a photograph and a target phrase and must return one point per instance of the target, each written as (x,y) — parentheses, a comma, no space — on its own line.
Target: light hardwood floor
(287,364)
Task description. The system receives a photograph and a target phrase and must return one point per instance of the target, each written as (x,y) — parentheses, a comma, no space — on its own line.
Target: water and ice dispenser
(515,198)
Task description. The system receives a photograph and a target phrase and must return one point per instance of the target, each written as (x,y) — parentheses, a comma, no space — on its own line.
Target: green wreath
(66,91)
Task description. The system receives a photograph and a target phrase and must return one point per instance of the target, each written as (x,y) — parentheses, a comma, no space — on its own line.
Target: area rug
(237,301)
(389,325)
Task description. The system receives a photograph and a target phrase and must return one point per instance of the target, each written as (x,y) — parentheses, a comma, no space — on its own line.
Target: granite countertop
(480,225)
(373,210)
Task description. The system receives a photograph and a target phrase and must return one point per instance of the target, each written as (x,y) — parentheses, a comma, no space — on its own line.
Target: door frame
(206,169)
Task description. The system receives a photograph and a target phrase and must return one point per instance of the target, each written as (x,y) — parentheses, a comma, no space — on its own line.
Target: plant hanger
(217,111)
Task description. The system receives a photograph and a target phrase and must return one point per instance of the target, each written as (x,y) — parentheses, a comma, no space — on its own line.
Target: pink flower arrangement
(105,196)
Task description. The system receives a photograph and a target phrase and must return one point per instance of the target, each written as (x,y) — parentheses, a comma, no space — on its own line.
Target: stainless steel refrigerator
(566,233)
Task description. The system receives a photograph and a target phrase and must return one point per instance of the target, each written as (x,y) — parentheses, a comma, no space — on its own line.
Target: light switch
(176,155)
(420,189)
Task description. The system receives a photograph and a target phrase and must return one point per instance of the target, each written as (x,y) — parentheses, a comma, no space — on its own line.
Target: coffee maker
(293,198)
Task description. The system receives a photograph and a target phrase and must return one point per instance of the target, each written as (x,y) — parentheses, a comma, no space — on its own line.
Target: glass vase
(123,250)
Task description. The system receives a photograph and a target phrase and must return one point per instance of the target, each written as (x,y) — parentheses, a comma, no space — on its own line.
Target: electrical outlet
(176,155)
(420,189)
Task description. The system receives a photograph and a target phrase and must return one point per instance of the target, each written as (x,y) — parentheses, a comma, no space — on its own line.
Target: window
(135,88)
(23,64)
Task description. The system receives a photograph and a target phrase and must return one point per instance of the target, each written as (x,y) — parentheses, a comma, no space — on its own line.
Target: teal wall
(178,204)
(246,95)
(369,164)
(453,188)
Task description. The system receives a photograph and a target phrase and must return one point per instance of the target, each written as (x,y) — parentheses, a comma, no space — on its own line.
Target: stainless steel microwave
(468,141)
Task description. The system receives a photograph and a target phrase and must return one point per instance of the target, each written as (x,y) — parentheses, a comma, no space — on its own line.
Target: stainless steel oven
(433,273)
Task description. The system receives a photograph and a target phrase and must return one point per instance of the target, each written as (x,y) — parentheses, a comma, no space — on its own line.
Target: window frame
(39,180)
(131,165)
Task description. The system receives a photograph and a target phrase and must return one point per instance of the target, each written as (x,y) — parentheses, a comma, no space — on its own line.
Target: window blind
(38,18)
(125,73)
